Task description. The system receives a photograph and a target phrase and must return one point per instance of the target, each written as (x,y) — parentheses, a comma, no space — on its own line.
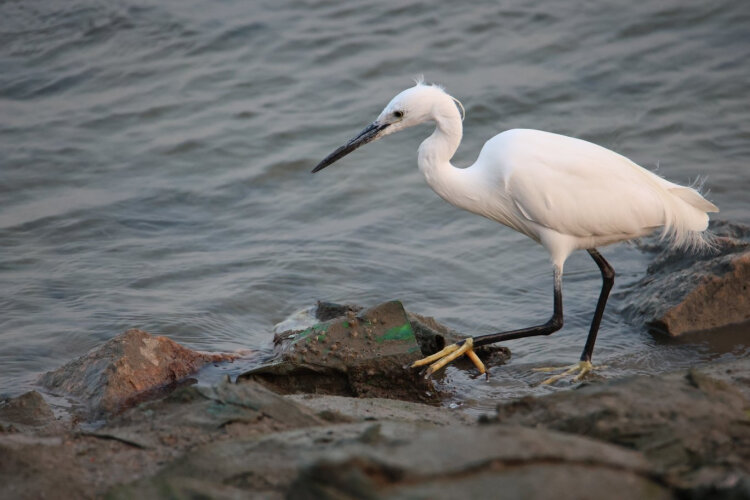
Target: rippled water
(155,157)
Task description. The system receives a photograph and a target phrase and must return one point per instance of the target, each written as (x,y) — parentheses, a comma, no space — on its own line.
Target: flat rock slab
(84,463)
(684,292)
(129,368)
(341,408)
(403,460)
(363,355)
(198,414)
(694,428)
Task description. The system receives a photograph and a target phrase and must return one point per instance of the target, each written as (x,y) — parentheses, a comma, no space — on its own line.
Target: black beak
(369,134)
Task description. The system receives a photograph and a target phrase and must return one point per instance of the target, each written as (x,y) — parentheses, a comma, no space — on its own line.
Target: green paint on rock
(307,334)
(402,332)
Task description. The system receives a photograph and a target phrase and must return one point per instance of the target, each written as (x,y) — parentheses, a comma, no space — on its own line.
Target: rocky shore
(335,413)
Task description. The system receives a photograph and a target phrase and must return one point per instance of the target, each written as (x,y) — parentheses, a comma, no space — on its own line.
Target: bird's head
(413,106)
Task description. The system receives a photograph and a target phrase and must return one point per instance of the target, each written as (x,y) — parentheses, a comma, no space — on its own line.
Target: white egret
(564,193)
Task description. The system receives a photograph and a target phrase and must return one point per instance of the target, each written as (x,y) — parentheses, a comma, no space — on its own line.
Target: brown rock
(127,369)
(716,300)
(690,292)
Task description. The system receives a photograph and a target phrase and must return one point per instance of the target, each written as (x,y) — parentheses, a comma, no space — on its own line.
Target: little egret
(564,193)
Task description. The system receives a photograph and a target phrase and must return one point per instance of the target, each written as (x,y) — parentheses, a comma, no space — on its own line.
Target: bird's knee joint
(554,324)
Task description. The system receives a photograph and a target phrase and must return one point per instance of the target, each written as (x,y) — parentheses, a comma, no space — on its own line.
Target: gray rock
(195,414)
(692,427)
(39,467)
(404,460)
(343,409)
(87,462)
(131,367)
(684,292)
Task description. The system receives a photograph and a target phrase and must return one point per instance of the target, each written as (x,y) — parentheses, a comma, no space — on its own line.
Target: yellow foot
(450,353)
(582,367)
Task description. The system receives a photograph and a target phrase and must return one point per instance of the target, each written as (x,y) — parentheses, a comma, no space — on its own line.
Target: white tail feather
(686,218)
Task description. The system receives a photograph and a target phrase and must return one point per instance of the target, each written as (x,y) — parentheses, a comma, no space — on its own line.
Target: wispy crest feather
(419,80)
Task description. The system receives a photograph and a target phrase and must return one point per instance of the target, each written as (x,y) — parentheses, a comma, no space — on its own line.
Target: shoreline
(333,413)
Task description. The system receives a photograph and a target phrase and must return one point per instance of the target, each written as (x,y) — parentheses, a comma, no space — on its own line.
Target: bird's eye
(398,114)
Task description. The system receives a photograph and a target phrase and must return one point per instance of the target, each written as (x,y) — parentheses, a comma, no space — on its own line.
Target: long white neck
(451,183)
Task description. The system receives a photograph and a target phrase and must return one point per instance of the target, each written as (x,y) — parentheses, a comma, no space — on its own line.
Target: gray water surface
(155,158)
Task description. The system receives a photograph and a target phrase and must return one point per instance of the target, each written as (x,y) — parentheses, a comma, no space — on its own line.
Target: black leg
(551,326)
(608,279)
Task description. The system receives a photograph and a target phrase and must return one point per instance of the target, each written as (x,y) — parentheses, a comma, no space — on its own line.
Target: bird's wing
(581,189)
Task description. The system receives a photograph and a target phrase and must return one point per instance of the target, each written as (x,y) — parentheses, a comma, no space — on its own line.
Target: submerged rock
(686,292)
(127,369)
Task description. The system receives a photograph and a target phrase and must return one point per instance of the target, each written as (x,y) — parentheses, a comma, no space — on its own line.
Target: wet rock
(128,369)
(432,336)
(25,412)
(326,311)
(361,355)
(692,427)
(403,460)
(686,292)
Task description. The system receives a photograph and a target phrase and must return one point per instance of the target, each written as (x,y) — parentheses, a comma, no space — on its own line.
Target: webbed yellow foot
(449,354)
(582,367)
